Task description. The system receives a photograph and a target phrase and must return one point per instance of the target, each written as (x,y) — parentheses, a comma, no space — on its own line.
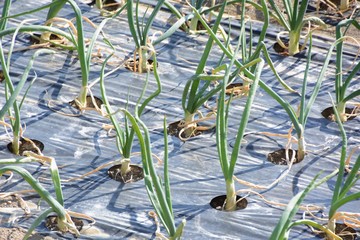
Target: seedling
(248,52)
(293,20)
(139,32)
(298,121)
(76,37)
(342,194)
(195,94)
(341,84)
(191,22)
(64,221)
(306,103)
(228,163)
(12,106)
(158,190)
(125,134)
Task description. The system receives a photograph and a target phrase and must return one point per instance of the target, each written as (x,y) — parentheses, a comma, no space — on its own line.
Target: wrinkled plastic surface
(79,144)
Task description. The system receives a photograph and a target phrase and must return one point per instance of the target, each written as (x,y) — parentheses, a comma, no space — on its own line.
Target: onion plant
(306,103)
(293,20)
(195,93)
(227,162)
(12,105)
(282,229)
(248,52)
(54,7)
(342,194)
(189,22)
(139,32)
(158,190)
(64,221)
(342,83)
(76,37)
(298,121)
(200,6)
(125,133)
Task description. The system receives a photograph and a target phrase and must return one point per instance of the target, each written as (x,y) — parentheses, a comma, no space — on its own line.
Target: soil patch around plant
(135,174)
(329,114)
(90,104)
(219,202)
(279,157)
(285,52)
(343,231)
(131,66)
(112,5)
(108,5)
(27,146)
(35,38)
(174,130)
(51,223)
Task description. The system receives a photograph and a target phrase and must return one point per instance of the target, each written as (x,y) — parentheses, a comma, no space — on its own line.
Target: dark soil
(219,201)
(112,5)
(328,113)
(343,231)
(284,52)
(27,146)
(2,77)
(135,174)
(130,64)
(279,158)
(174,130)
(108,5)
(233,88)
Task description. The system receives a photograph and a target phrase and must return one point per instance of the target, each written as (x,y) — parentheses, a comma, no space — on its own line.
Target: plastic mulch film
(80,144)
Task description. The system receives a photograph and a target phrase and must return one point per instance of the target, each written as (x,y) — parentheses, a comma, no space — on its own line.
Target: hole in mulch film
(219,201)
(135,174)
(279,157)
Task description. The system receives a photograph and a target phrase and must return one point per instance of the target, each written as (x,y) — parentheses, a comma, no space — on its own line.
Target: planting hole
(279,157)
(328,113)
(108,5)
(28,146)
(284,51)
(90,104)
(343,231)
(112,5)
(237,89)
(132,67)
(219,202)
(35,38)
(51,223)
(135,174)
(174,130)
